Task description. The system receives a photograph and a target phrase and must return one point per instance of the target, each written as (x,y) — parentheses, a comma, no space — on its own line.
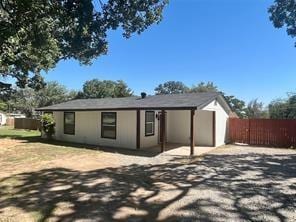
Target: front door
(161,127)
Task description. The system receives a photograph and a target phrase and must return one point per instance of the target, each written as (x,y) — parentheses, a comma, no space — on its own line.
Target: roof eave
(118,109)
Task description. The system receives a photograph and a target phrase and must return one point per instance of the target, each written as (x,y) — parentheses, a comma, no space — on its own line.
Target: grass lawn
(26,147)
(9,132)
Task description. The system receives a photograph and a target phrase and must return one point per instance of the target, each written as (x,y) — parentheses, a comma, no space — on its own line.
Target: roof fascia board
(121,109)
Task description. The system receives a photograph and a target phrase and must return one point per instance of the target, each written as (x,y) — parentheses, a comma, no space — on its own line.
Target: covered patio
(187,130)
(179,150)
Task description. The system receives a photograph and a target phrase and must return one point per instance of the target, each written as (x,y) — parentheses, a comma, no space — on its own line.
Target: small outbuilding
(195,119)
(3,119)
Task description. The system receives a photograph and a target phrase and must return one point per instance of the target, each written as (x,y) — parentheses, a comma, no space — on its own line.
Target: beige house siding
(179,127)
(148,141)
(88,129)
(221,122)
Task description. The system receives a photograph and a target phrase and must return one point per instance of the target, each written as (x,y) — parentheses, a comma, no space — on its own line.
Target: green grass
(9,132)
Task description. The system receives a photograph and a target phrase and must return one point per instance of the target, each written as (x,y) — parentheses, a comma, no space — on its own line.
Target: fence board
(263,132)
(26,123)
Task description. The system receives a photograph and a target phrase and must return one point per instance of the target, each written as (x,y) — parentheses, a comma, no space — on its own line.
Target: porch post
(214,128)
(138,139)
(192,139)
(163,130)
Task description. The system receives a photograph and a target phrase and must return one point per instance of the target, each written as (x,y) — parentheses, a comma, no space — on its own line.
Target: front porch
(190,131)
(179,150)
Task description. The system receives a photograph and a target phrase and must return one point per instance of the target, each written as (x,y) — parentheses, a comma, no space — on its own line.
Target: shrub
(48,125)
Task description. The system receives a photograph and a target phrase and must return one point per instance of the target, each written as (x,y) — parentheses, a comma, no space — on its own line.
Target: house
(2,119)
(140,122)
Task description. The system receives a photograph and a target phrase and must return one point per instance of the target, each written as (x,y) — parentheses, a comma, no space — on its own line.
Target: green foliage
(36,35)
(3,106)
(204,87)
(26,100)
(171,87)
(53,93)
(255,109)
(48,125)
(283,14)
(283,108)
(104,88)
(238,106)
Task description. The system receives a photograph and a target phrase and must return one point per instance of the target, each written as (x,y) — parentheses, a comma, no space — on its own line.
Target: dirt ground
(58,182)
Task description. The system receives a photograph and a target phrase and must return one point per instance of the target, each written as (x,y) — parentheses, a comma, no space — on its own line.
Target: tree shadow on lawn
(39,139)
(220,187)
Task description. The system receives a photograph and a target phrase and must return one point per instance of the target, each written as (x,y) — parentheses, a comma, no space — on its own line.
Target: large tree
(255,109)
(26,100)
(283,14)
(36,35)
(283,108)
(104,88)
(204,87)
(238,106)
(171,87)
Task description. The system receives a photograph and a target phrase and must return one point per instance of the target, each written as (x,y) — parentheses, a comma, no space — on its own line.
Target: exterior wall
(2,119)
(179,127)
(221,122)
(149,141)
(178,130)
(88,129)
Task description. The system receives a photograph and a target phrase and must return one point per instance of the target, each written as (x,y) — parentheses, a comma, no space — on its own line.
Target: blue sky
(229,42)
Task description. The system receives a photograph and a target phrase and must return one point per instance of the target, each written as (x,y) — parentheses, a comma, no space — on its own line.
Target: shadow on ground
(219,187)
(38,139)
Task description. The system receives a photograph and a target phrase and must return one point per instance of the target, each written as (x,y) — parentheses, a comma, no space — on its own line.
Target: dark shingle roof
(173,101)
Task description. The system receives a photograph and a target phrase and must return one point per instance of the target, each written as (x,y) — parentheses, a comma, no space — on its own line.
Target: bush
(48,125)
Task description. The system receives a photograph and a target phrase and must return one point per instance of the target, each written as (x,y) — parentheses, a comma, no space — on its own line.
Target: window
(108,128)
(149,123)
(69,123)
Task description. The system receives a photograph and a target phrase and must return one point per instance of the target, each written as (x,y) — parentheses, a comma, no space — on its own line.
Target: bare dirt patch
(58,183)
(7,143)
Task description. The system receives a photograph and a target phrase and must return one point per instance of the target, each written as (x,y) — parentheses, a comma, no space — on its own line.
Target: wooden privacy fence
(263,132)
(26,123)
(9,121)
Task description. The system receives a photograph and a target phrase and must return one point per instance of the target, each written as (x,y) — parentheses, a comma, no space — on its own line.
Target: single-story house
(195,119)
(2,119)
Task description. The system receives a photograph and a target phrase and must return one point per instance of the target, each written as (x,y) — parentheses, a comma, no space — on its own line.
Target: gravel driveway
(232,183)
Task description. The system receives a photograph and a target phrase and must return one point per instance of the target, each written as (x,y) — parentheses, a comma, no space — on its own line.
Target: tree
(26,100)
(53,93)
(238,106)
(104,88)
(171,87)
(204,87)
(283,108)
(283,14)
(3,106)
(36,35)
(256,109)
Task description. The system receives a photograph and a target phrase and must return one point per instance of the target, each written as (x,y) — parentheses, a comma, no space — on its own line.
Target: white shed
(3,118)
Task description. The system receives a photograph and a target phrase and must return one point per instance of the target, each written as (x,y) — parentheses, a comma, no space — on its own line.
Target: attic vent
(143,95)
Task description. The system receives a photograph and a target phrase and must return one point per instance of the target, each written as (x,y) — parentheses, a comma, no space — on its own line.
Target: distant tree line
(25,100)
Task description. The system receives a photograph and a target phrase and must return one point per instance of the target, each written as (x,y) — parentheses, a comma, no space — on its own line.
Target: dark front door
(162,124)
